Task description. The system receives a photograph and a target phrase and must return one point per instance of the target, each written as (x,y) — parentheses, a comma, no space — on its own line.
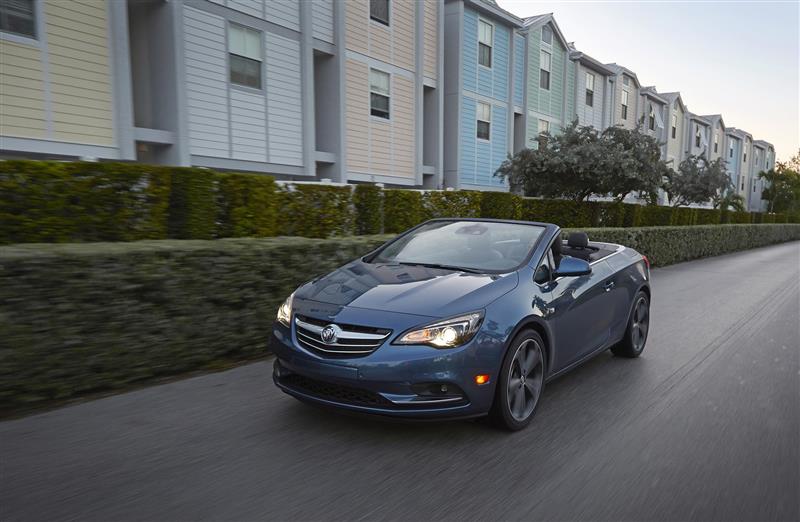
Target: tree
(699,181)
(782,188)
(582,162)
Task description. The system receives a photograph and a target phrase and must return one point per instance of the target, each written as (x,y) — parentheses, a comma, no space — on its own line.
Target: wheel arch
(538,325)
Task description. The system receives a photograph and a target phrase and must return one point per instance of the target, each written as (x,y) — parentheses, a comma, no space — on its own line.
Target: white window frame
(387,94)
(37,28)
(478,118)
(651,118)
(388,22)
(550,29)
(544,123)
(542,54)
(674,127)
(246,54)
(730,150)
(698,138)
(624,103)
(481,41)
(716,142)
(589,76)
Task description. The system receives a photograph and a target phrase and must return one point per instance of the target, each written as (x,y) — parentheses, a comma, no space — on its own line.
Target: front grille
(351,340)
(333,392)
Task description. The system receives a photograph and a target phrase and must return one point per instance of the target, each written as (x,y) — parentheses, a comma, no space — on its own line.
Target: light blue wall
(733,164)
(479,159)
(519,69)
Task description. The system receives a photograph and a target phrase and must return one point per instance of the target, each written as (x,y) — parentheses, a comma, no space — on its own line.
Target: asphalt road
(704,426)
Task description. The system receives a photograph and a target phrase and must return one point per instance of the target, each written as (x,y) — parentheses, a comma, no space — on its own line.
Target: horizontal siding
(357,117)
(431,38)
(470,50)
(519,69)
(467,163)
(284,100)
(403,128)
(206,83)
(403,30)
(356,30)
(80,72)
(322,19)
(283,12)
(250,7)
(22,111)
(248,126)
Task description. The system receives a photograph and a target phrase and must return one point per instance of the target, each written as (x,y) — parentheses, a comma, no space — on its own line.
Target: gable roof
(490,8)
(714,117)
(651,93)
(534,22)
(589,62)
(672,96)
(764,144)
(739,133)
(619,70)
(698,118)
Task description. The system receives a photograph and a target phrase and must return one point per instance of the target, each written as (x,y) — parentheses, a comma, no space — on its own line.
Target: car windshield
(469,245)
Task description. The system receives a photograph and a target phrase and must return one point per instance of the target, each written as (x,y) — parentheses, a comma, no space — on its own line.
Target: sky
(738,59)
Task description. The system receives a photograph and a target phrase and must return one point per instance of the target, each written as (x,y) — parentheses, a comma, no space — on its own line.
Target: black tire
(633,343)
(506,411)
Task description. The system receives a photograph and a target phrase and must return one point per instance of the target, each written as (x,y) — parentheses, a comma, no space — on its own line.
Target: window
(730,150)
(484,121)
(651,118)
(674,126)
(544,70)
(625,80)
(757,157)
(716,142)
(485,41)
(18,17)
(379,11)
(624,105)
(379,93)
(589,89)
(697,136)
(244,48)
(744,155)
(547,35)
(544,126)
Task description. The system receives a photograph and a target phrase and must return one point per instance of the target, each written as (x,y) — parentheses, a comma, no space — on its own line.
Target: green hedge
(84,318)
(60,202)
(71,202)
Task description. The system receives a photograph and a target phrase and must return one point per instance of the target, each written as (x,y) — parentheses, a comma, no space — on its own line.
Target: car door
(583,311)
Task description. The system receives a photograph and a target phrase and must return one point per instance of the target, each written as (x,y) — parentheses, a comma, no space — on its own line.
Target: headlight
(448,333)
(285,311)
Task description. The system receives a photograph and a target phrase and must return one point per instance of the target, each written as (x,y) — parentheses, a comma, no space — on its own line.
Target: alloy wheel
(525,379)
(639,326)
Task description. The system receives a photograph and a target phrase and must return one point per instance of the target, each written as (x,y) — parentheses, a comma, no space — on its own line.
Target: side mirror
(572,266)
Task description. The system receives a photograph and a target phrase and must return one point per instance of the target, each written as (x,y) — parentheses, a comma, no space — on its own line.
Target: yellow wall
(394,44)
(377,146)
(77,75)
(431,42)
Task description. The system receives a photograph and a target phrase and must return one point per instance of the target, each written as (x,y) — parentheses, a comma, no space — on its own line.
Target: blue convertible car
(460,318)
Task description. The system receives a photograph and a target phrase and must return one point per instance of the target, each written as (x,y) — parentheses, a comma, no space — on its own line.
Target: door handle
(608,286)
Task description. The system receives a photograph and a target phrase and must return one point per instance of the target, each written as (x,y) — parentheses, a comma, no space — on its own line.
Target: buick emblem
(330,333)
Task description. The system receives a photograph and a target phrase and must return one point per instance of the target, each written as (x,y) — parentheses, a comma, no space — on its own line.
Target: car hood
(407,289)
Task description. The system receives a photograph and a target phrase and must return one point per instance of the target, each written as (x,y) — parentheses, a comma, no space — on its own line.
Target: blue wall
(519,69)
(479,159)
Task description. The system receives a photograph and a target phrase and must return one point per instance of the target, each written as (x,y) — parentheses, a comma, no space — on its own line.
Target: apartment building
(592,90)
(625,93)
(302,90)
(550,101)
(697,137)
(426,94)
(676,129)
(763,160)
(483,82)
(716,136)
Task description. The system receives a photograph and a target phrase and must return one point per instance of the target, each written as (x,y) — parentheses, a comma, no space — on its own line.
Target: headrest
(578,240)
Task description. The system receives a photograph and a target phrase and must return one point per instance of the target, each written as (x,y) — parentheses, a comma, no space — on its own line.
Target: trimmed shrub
(707,216)
(739,217)
(80,318)
(247,206)
(501,205)
(683,216)
(192,205)
(368,202)
(610,214)
(59,202)
(402,209)
(668,245)
(653,216)
(451,203)
(564,213)
(315,210)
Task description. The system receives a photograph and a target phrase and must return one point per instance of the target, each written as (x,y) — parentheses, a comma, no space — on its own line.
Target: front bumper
(399,381)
